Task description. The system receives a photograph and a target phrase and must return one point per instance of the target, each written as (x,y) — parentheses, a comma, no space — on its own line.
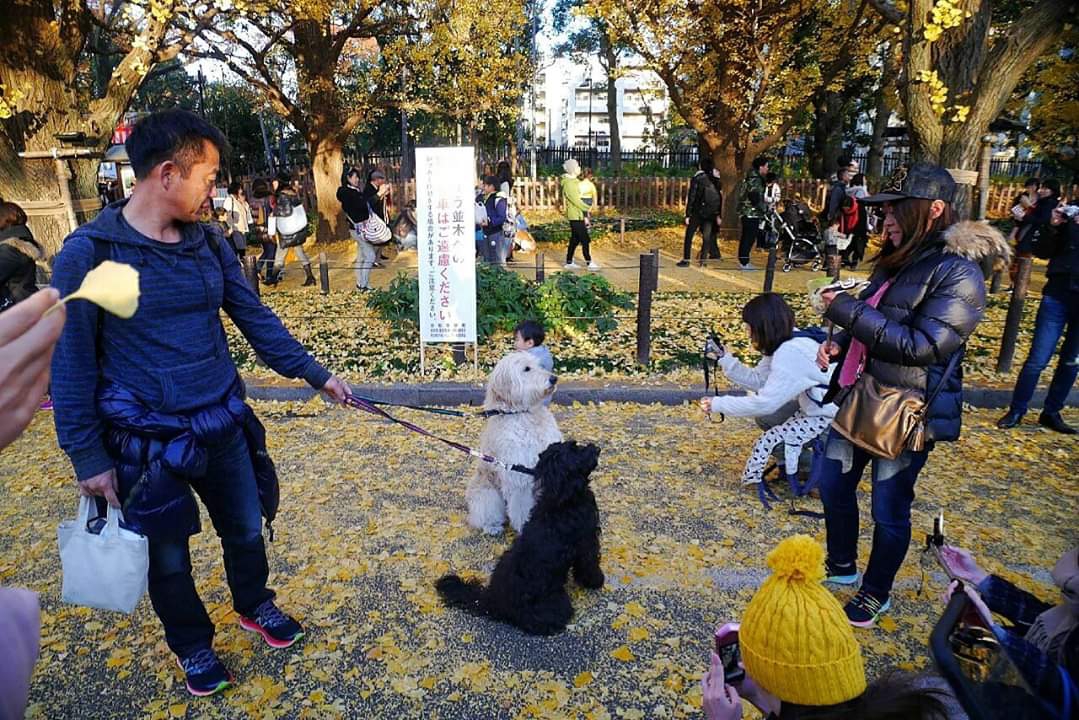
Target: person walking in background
(751,208)
(19,255)
(588,194)
(704,203)
(1058,314)
(493,231)
(261,209)
(575,210)
(860,230)
(238,216)
(355,207)
(288,223)
(907,330)
(504,176)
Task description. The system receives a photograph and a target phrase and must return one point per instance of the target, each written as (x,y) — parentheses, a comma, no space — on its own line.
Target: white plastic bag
(107,571)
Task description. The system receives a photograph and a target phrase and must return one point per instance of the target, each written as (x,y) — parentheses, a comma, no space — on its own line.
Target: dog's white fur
(517,387)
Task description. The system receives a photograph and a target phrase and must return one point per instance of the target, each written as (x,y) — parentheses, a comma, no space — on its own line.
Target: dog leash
(359,403)
(439,411)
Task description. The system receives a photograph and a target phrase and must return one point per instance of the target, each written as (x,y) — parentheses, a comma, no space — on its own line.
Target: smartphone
(729,653)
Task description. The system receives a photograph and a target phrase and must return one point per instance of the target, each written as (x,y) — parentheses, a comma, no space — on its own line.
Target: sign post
(446,246)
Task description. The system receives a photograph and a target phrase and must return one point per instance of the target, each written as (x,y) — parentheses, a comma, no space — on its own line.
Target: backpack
(711,199)
(848,217)
(284,206)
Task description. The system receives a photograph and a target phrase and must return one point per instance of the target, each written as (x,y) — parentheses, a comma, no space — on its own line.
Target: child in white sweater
(788,371)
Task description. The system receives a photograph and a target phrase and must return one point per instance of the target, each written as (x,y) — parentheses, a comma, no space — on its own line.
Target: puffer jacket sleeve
(940,324)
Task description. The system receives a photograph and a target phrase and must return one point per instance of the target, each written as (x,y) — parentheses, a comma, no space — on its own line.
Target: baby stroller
(798,236)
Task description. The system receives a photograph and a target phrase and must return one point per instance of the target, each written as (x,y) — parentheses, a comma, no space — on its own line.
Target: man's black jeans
(229,492)
(751,230)
(709,248)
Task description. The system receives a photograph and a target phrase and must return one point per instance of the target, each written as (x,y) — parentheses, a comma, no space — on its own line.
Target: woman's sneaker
(864,609)
(592,266)
(840,574)
(205,673)
(572,266)
(276,628)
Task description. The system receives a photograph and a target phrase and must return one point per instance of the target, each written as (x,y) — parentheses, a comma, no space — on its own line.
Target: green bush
(564,302)
(573,301)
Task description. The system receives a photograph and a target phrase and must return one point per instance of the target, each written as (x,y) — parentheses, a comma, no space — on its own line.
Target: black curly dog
(528,585)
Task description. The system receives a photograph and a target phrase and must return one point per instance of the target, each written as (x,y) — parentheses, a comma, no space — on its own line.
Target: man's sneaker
(840,574)
(747,266)
(571,266)
(864,608)
(593,266)
(682,263)
(205,673)
(276,628)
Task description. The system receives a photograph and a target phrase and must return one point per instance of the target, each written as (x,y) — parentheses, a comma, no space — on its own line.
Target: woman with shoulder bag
(357,210)
(288,222)
(239,218)
(899,380)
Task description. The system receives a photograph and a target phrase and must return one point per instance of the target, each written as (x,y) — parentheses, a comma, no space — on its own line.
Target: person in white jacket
(788,372)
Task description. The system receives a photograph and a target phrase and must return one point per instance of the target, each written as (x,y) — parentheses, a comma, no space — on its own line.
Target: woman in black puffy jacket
(926,295)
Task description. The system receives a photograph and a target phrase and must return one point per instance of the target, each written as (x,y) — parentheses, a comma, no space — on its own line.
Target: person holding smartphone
(799,655)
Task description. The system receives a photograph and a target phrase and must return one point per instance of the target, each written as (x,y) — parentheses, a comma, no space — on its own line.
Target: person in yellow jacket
(575,211)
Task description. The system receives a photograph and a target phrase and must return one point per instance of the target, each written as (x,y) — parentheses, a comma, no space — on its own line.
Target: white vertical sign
(446,245)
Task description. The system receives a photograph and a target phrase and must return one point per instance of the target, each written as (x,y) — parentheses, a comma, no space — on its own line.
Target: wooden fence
(664,193)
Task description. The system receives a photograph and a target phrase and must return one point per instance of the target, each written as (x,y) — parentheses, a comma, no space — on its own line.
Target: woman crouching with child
(787,373)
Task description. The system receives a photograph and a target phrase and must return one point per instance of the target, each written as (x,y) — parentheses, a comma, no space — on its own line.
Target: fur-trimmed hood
(19,237)
(976,241)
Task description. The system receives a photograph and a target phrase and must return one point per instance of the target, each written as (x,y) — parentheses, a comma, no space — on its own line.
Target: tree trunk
(327,166)
(730,174)
(827,133)
(875,161)
(611,63)
(961,150)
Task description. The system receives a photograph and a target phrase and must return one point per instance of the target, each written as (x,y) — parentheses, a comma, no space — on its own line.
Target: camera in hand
(1069,211)
(730,654)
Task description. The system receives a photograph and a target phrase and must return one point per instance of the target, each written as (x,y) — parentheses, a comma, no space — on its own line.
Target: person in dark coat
(1058,314)
(926,296)
(19,255)
(703,207)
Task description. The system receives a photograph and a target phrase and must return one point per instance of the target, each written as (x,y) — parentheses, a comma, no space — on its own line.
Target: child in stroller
(797,233)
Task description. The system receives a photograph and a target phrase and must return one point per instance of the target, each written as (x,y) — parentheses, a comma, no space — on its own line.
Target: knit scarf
(1054,625)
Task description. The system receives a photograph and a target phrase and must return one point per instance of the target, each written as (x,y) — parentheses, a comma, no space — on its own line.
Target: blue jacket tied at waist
(156,454)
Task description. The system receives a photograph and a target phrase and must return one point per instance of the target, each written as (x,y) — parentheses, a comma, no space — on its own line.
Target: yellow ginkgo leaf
(624,654)
(112,286)
(582,679)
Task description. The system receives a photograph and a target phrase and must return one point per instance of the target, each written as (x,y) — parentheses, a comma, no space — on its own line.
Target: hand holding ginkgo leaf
(111,286)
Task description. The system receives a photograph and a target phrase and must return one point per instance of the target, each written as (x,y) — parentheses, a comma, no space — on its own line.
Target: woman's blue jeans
(891,501)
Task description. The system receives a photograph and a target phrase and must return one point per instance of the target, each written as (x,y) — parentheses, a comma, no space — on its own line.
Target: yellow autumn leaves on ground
(351,339)
(371,516)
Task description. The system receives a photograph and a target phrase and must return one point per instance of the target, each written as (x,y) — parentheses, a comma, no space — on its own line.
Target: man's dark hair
(770,320)
(759,162)
(771,178)
(176,135)
(235,186)
(260,188)
(1032,181)
(1052,185)
(843,161)
(490,180)
(531,330)
(706,164)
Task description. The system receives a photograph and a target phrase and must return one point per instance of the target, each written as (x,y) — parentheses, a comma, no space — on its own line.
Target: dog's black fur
(528,586)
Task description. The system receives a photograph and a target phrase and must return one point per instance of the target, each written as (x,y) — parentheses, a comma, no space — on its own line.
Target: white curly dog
(518,429)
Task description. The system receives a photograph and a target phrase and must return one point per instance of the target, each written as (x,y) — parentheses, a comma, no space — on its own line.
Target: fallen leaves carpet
(371,516)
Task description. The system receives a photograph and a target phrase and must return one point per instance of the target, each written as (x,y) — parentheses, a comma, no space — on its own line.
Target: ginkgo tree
(961,62)
(69,69)
(741,73)
(316,62)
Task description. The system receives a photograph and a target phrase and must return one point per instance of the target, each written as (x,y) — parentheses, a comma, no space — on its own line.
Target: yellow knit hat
(795,638)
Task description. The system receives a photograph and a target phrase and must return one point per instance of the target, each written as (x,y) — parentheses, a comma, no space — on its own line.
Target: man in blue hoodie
(149,409)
